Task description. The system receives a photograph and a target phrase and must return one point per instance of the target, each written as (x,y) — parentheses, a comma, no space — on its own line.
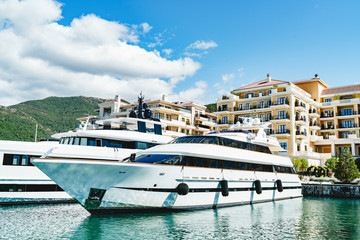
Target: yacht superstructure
(192,172)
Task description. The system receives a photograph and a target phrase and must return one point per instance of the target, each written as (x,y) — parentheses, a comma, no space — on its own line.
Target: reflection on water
(307,218)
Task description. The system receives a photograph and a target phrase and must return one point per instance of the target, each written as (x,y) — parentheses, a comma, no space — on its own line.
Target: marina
(301,218)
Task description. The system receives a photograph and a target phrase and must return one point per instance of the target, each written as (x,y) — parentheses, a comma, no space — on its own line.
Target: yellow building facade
(292,108)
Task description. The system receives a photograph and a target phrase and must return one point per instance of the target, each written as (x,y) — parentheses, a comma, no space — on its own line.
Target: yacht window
(91,142)
(71,141)
(16,160)
(61,141)
(83,141)
(66,141)
(161,159)
(111,143)
(24,160)
(76,141)
(141,145)
(98,142)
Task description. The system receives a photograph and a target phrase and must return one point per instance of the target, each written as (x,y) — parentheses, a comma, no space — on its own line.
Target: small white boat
(192,172)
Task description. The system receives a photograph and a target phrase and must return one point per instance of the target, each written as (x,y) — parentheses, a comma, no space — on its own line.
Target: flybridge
(141,116)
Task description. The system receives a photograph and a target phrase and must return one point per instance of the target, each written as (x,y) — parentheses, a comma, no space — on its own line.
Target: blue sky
(226,44)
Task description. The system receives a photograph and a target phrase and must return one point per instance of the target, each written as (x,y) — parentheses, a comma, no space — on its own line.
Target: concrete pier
(331,190)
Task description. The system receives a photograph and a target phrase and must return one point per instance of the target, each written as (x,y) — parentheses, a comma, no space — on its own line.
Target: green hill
(53,114)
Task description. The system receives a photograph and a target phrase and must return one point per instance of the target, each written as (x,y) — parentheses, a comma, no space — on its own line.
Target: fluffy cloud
(94,57)
(202,45)
(196,93)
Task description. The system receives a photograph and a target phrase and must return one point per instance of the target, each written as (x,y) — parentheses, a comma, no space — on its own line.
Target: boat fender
(279,185)
(258,188)
(182,189)
(224,188)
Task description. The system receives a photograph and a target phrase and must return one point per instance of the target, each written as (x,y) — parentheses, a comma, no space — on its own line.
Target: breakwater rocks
(331,190)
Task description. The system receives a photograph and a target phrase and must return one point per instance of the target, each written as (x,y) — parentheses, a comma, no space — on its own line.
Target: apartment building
(340,119)
(292,108)
(182,118)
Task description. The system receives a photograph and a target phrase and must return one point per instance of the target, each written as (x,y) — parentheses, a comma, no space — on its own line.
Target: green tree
(296,162)
(304,164)
(331,163)
(346,169)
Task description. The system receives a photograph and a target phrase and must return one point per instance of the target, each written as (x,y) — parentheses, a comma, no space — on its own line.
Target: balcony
(300,120)
(313,113)
(327,115)
(314,125)
(300,134)
(224,123)
(280,118)
(223,109)
(347,126)
(315,138)
(284,133)
(202,127)
(280,104)
(313,155)
(341,102)
(331,127)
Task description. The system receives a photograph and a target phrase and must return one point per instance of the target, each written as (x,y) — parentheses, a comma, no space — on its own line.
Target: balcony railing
(326,127)
(327,115)
(297,104)
(347,113)
(302,118)
(348,126)
(301,133)
(286,102)
(315,124)
(280,117)
(312,111)
(225,122)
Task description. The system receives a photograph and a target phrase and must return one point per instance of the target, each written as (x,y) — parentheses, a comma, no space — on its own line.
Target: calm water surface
(307,218)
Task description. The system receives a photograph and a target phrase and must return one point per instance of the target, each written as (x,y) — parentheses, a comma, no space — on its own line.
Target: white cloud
(202,45)
(146,27)
(93,57)
(195,94)
(168,51)
(227,77)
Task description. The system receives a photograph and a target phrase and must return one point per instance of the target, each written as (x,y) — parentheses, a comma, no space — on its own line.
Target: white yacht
(110,139)
(192,172)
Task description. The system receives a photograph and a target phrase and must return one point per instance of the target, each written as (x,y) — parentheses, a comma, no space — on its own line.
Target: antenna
(36,129)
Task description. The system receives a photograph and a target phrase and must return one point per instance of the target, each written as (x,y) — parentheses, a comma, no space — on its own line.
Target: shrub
(331,163)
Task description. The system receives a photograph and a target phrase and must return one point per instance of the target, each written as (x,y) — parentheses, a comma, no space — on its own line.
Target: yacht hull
(107,187)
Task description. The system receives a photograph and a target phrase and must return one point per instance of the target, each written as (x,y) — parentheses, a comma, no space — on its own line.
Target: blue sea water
(302,218)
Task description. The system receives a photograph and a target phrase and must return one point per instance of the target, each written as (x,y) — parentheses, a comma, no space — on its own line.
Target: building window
(241,106)
(280,100)
(282,128)
(268,116)
(347,124)
(268,92)
(224,107)
(247,106)
(328,99)
(261,93)
(262,104)
(262,116)
(225,119)
(248,95)
(345,112)
(268,103)
(283,145)
(281,114)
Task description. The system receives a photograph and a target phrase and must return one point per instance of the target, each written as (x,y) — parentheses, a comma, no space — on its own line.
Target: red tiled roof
(344,89)
(261,83)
